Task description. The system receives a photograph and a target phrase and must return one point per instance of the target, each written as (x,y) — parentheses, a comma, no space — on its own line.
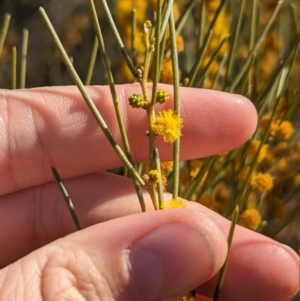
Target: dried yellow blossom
(252,150)
(176,13)
(204,178)
(269,160)
(222,197)
(153,3)
(283,166)
(272,40)
(152,177)
(185,178)
(166,166)
(264,122)
(297,146)
(179,44)
(168,126)
(262,182)
(173,204)
(222,193)
(187,298)
(207,200)
(222,156)
(280,148)
(275,208)
(284,130)
(166,75)
(123,10)
(243,174)
(212,5)
(251,219)
(195,167)
(123,16)
(164,182)
(296,180)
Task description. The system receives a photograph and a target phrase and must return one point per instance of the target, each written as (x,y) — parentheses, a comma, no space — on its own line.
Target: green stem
(4,31)
(92,63)
(211,60)
(87,98)
(133,35)
(233,45)
(113,92)
(176,146)
(196,181)
(23,58)
(224,267)
(159,184)
(185,16)
(156,57)
(165,19)
(118,38)
(251,74)
(67,199)
(151,120)
(201,51)
(196,66)
(14,68)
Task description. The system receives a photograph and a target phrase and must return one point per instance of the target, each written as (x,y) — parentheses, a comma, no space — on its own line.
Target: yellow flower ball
(207,200)
(285,130)
(251,219)
(166,75)
(173,204)
(252,150)
(262,182)
(168,126)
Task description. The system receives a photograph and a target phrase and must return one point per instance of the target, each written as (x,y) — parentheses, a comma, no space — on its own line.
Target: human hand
(121,254)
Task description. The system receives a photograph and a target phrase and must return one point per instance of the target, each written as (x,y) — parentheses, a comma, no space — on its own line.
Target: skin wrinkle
(9,153)
(122,99)
(46,156)
(40,233)
(5,283)
(31,123)
(91,283)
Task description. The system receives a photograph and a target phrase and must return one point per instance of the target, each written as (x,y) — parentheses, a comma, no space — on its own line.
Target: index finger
(53,127)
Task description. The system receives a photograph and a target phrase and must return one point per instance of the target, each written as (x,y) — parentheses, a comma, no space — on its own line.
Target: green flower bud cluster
(148,24)
(162,96)
(136,101)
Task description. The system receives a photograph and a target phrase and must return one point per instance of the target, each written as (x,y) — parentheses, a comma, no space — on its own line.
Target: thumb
(148,256)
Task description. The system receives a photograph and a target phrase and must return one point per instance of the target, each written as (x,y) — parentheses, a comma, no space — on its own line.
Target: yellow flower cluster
(281,129)
(253,148)
(173,204)
(251,219)
(262,182)
(207,200)
(152,177)
(168,126)
(166,166)
(187,298)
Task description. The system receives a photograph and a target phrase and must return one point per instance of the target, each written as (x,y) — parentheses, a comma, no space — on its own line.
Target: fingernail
(171,259)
